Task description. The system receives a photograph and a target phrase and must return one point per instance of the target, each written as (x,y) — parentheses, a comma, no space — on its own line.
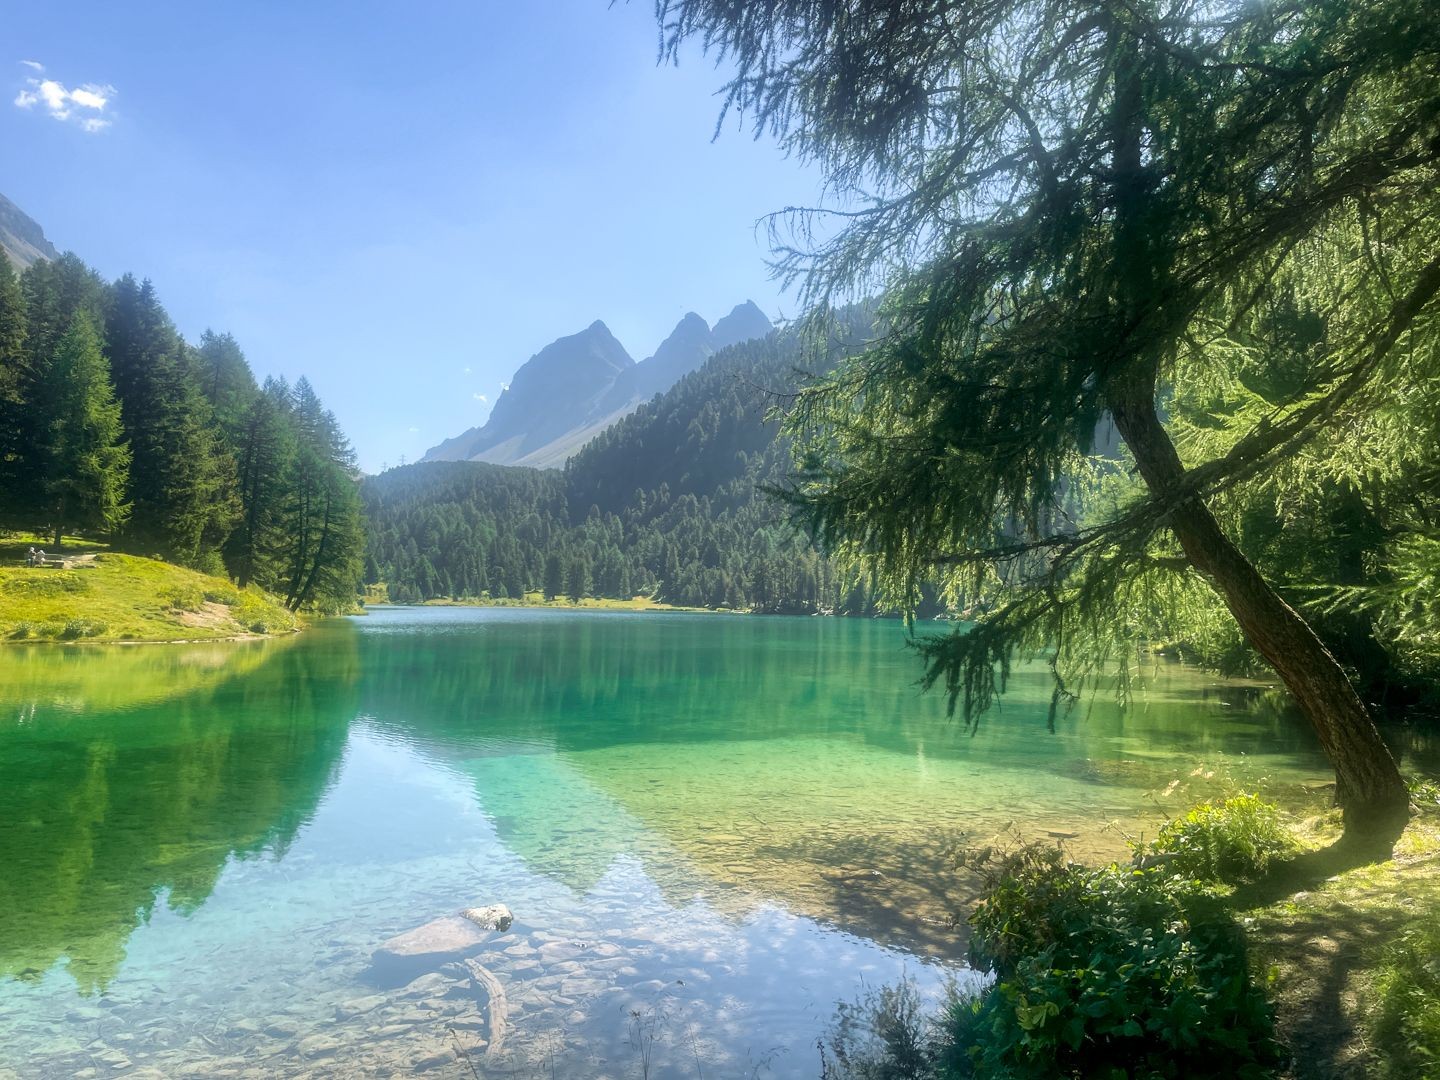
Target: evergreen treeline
(667,502)
(112,424)
(670,502)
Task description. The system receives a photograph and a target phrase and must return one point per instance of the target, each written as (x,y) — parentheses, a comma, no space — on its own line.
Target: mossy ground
(124,598)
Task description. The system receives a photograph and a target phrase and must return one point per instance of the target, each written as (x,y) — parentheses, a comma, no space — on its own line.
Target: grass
(1343,937)
(125,598)
(1353,961)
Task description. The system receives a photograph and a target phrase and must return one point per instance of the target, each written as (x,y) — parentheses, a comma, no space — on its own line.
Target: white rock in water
(493,917)
(443,937)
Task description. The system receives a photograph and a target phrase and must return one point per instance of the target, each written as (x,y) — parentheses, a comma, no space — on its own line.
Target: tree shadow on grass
(1312,868)
(1323,952)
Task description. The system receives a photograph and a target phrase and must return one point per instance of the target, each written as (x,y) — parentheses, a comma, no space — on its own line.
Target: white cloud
(481,398)
(91,97)
(83,106)
(465,371)
(414,431)
(504,386)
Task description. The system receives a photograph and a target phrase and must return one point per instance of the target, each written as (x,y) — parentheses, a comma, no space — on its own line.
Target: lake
(710,830)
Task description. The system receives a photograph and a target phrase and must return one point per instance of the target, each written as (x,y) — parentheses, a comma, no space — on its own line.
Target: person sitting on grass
(30,557)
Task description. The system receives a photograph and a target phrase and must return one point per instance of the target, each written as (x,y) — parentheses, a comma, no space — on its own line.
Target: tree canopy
(1090,215)
(112,424)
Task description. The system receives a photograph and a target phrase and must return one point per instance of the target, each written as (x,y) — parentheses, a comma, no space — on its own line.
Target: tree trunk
(1368,783)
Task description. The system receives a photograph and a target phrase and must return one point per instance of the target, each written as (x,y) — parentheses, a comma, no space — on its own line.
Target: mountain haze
(578,386)
(21,237)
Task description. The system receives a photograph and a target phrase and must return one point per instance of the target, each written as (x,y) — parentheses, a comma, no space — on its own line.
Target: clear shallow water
(710,830)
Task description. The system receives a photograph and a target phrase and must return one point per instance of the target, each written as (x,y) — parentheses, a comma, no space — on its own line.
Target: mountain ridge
(21,238)
(542,430)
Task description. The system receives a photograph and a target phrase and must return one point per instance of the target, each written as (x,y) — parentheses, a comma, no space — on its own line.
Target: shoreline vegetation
(1306,959)
(536,599)
(106,597)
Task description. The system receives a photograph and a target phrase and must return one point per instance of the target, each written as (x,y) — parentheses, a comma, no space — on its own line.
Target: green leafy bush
(1407,1024)
(74,629)
(1109,972)
(1425,794)
(1232,842)
(221,594)
(184,598)
(209,562)
(21,630)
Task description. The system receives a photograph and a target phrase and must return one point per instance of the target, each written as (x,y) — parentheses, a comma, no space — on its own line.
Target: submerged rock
(425,948)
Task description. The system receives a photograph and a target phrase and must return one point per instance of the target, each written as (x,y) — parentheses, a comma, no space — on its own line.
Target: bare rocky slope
(579,385)
(21,237)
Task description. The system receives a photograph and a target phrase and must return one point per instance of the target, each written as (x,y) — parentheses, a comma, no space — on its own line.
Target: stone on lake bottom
(426,947)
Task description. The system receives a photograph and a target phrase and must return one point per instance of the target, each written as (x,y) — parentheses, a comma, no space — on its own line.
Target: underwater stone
(437,942)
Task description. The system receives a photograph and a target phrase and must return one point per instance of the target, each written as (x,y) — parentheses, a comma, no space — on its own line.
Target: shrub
(209,562)
(222,594)
(184,598)
(261,615)
(1425,794)
(22,630)
(1232,842)
(1109,972)
(79,628)
(1407,1022)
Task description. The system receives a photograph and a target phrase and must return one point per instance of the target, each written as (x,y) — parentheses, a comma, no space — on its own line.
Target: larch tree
(1075,212)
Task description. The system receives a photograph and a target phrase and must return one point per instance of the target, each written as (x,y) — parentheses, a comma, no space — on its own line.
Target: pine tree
(87,462)
(182,477)
(12,397)
(52,294)
(577,578)
(554,575)
(226,380)
(324,535)
(265,450)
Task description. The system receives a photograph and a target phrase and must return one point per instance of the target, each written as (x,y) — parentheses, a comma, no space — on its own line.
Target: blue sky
(403,202)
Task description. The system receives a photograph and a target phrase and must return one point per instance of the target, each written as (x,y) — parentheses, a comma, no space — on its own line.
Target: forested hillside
(668,501)
(112,425)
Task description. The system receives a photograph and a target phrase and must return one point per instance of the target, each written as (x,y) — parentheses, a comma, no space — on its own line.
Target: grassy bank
(1240,944)
(106,596)
(1353,960)
(376,595)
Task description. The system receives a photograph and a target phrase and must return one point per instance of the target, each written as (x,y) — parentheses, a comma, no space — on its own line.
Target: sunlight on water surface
(710,829)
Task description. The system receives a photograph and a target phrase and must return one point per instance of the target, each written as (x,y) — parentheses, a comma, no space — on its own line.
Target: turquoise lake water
(710,829)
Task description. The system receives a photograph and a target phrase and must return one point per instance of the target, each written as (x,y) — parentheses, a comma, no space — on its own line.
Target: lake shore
(537,600)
